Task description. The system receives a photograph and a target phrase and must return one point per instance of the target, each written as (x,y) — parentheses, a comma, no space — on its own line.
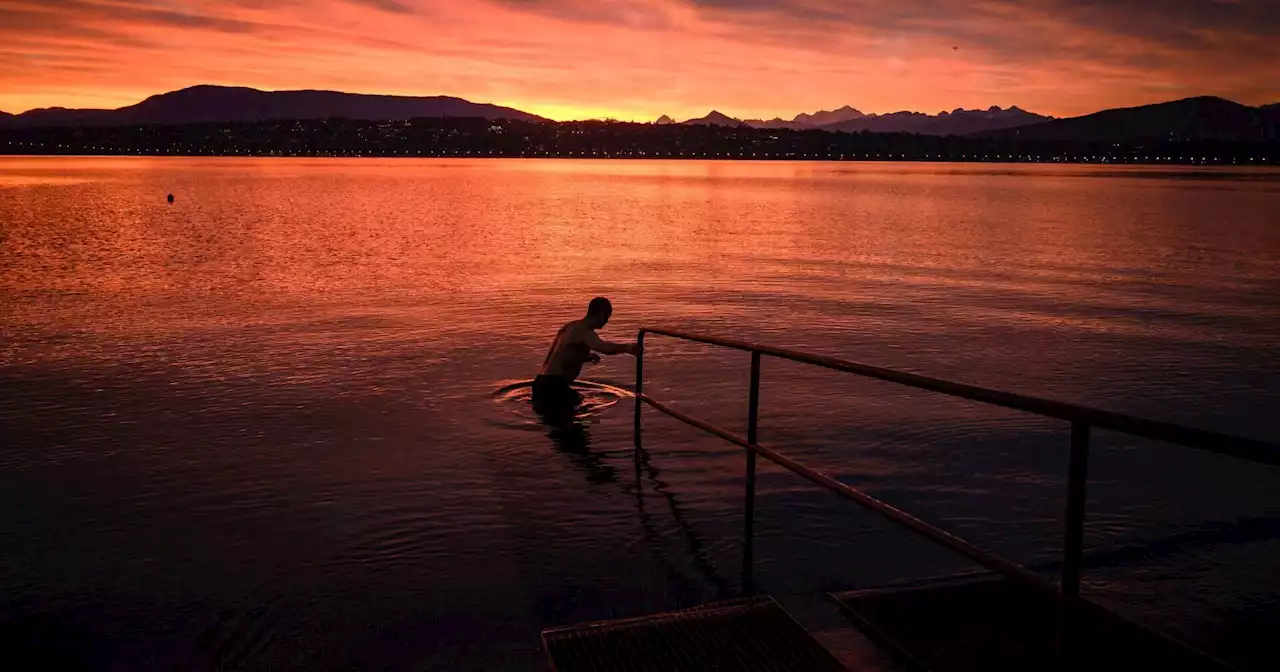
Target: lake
(281,423)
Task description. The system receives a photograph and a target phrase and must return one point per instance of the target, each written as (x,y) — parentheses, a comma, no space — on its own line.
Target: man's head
(598,312)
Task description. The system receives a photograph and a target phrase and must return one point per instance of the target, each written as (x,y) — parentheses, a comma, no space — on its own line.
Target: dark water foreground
(279,424)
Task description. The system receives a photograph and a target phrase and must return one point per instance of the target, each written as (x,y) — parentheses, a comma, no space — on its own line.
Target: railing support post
(748,533)
(1077,478)
(639,388)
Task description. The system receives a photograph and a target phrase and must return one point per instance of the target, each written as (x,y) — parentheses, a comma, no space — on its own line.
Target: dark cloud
(993,26)
(84,14)
(1129,33)
(632,13)
(1178,22)
(110,23)
(385,5)
(816,11)
(1140,16)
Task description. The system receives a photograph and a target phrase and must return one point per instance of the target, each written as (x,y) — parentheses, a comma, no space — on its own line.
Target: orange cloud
(636,59)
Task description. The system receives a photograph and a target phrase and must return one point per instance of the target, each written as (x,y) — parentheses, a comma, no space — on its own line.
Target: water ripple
(514,402)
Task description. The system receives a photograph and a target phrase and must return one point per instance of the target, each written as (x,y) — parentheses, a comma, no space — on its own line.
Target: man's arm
(602,346)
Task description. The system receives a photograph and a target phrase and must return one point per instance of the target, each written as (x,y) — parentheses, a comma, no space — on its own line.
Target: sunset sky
(637,59)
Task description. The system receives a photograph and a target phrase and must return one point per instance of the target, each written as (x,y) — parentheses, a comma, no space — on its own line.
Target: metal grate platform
(748,635)
(985,622)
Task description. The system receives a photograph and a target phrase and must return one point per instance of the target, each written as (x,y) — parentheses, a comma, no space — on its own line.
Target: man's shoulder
(577,328)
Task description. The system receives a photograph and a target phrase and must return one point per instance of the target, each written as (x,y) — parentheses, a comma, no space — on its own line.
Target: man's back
(569,351)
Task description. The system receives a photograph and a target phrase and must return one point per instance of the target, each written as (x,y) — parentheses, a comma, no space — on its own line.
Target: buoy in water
(170,198)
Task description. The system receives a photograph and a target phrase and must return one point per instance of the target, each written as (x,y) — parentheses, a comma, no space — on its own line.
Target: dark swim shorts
(554,393)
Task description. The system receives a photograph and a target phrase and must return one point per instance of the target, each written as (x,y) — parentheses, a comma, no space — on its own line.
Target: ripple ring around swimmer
(515,400)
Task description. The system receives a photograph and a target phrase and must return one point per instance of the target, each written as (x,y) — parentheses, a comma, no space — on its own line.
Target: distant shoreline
(458,138)
(1264,162)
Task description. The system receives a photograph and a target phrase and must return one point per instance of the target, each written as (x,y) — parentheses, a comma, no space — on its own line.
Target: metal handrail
(1214,442)
(1081,419)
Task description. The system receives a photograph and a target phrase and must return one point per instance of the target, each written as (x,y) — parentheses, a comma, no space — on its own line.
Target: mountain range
(1201,118)
(850,120)
(239,104)
(804,121)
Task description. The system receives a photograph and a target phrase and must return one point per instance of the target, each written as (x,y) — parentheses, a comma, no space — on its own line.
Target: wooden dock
(973,622)
(986,622)
(746,635)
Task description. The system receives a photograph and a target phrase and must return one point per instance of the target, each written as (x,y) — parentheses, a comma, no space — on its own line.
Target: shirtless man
(573,347)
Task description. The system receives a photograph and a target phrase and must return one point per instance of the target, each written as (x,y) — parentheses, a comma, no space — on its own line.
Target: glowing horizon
(635,60)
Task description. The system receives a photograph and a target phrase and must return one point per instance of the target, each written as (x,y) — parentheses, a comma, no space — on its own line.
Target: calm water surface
(280,424)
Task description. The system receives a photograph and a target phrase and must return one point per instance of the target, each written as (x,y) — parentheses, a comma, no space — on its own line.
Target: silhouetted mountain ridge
(207,103)
(714,118)
(1200,118)
(848,119)
(826,117)
(776,122)
(955,122)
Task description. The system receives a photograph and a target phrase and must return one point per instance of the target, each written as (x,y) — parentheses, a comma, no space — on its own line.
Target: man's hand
(594,358)
(594,342)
